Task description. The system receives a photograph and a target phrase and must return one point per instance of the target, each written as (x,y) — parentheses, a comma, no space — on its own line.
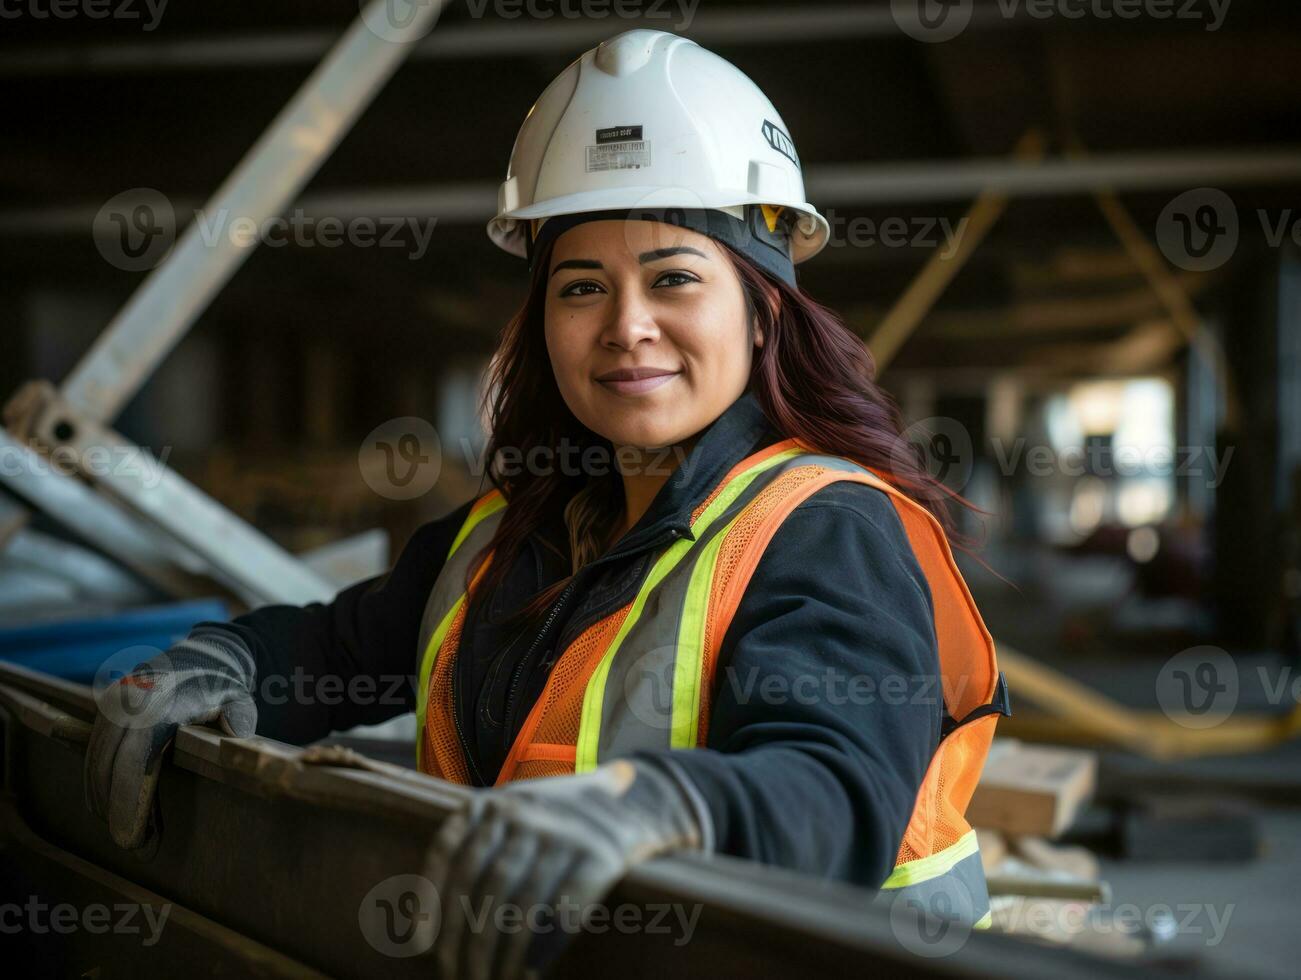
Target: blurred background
(1069,232)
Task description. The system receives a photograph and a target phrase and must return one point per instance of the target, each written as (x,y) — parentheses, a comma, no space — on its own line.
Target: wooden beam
(941,269)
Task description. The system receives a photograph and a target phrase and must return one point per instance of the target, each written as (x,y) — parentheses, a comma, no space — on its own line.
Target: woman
(733,626)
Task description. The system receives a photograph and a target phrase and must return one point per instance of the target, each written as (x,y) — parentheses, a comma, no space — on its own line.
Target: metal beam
(37,480)
(942,268)
(264,183)
(257,569)
(929,181)
(172,518)
(558,35)
(862,184)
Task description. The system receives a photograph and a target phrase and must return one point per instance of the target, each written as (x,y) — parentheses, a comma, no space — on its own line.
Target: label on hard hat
(618,134)
(630,155)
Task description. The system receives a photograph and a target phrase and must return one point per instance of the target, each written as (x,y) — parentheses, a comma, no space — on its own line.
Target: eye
(684,277)
(573,288)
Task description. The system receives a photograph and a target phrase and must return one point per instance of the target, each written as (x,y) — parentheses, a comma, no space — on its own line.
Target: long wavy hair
(813,378)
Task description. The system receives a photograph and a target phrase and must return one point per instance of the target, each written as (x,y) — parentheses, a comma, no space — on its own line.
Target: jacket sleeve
(827,704)
(323,667)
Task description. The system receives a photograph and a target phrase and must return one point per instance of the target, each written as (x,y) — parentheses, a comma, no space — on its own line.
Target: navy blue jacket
(826,708)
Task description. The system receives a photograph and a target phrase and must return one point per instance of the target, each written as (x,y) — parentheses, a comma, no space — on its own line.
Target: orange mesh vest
(642,677)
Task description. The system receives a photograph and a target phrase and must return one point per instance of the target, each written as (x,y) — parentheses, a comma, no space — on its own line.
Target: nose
(631,321)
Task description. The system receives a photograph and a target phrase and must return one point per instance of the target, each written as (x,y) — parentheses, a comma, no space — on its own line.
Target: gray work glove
(209,676)
(547,848)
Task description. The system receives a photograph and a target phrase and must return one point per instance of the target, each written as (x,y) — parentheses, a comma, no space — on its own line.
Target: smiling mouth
(636,381)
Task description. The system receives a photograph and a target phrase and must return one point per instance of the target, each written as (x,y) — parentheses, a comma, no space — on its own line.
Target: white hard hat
(653,122)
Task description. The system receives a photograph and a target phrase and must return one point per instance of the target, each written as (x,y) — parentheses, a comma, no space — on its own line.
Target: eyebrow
(643,258)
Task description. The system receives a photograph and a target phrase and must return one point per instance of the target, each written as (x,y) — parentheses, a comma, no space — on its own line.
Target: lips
(636,381)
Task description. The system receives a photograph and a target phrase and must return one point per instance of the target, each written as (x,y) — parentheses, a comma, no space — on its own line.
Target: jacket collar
(741,430)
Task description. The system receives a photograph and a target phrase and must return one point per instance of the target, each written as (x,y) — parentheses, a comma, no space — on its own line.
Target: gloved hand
(208,676)
(538,844)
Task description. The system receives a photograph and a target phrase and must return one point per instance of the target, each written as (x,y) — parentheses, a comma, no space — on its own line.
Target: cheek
(718,347)
(569,354)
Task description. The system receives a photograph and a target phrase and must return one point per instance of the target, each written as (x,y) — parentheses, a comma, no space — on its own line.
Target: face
(647,330)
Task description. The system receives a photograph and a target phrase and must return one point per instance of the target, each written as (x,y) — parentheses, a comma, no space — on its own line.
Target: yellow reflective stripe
(483,508)
(985,921)
(427,667)
(691,646)
(589,726)
(924,869)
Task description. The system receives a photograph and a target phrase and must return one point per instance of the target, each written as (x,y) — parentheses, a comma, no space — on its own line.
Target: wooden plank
(1032,789)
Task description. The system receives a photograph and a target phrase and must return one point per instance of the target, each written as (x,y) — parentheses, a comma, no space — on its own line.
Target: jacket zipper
(519,667)
(574,629)
(517,674)
(460,735)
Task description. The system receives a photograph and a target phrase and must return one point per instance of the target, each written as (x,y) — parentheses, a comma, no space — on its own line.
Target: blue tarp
(75,648)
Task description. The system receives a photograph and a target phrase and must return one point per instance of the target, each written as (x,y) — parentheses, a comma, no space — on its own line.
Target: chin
(643,437)
(648,427)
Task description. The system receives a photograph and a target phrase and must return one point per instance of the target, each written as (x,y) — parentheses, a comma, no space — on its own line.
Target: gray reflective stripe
(640,688)
(450,585)
(637,709)
(956,895)
(448,591)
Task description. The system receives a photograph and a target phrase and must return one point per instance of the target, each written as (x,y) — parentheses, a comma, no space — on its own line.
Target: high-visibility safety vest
(642,677)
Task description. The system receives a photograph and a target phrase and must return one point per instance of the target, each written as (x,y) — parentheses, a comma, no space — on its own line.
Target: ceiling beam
(829,186)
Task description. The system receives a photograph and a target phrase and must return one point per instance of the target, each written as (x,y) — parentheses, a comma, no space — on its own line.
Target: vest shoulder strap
(967,650)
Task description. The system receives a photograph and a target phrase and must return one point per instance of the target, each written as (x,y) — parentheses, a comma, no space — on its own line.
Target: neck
(644,472)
